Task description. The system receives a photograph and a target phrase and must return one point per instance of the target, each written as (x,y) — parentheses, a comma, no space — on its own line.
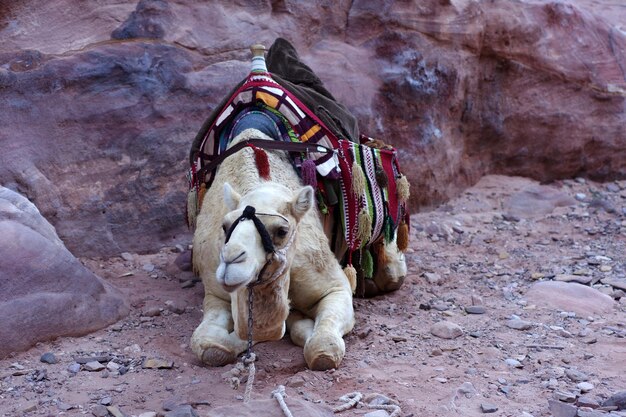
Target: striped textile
(380,202)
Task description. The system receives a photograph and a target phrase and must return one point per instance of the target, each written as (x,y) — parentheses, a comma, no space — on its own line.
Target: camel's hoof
(218,356)
(323,352)
(322,363)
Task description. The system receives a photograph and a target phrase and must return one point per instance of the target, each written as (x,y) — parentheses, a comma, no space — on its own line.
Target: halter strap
(249,213)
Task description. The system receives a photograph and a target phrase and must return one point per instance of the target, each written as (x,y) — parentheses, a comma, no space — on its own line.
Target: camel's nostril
(233,256)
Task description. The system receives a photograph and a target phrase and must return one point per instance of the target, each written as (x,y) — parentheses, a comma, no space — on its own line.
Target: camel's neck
(270,309)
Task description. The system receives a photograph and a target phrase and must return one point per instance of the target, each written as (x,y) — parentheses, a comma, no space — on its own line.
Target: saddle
(361,192)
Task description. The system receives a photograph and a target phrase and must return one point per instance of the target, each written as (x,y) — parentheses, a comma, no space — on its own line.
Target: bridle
(280,255)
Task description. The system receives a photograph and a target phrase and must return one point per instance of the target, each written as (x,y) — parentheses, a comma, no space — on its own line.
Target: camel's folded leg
(300,327)
(334,317)
(214,341)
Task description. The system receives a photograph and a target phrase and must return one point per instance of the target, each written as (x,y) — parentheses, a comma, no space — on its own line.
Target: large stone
(616,400)
(537,200)
(45,292)
(98,115)
(569,296)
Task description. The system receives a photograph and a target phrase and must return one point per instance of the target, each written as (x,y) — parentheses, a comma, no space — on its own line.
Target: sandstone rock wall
(101,100)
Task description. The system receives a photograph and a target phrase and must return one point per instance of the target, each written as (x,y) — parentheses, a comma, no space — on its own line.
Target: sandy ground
(484,249)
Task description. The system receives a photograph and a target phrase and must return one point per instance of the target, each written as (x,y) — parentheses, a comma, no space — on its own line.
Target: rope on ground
(249,362)
(279,394)
(349,400)
(382,403)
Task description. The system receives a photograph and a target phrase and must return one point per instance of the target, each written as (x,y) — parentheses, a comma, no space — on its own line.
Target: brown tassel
(403,236)
(358,180)
(262,162)
(201,194)
(403,188)
(381,255)
(351,275)
(365,226)
(381,178)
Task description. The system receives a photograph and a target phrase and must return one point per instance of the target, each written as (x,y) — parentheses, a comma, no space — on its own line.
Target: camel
(261,245)
(305,291)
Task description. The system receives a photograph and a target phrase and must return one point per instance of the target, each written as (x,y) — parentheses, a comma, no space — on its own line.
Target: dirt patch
(471,263)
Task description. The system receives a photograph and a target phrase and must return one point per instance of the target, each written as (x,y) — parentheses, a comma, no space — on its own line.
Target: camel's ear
(231,197)
(303,202)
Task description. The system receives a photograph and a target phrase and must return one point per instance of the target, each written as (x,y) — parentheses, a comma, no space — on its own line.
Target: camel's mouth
(231,288)
(233,276)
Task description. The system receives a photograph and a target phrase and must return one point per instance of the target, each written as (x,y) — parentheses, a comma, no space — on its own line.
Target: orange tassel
(201,194)
(381,256)
(403,237)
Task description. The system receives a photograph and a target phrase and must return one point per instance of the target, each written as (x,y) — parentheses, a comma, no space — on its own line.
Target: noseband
(249,213)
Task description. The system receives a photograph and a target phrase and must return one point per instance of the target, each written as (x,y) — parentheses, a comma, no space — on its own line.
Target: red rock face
(98,116)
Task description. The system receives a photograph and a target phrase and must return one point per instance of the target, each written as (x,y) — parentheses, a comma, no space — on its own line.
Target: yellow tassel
(403,188)
(192,207)
(359,183)
(201,194)
(403,236)
(365,226)
(381,256)
(351,275)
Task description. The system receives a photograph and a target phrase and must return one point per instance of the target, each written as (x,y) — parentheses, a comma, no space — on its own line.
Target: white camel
(303,288)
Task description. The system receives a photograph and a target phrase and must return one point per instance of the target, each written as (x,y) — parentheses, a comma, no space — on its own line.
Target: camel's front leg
(334,317)
(214,341)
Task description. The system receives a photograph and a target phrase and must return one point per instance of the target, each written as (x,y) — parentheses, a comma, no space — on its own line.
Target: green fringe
(388,229)
(367,264)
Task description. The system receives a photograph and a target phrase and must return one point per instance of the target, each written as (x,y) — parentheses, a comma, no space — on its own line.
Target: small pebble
(475,309)
(93,366)
(127,256)
(488,408)
(99,411)
(175,307)
(513,363)
(518,324)
(155,363)
(585,387)
(565,396)
(575,375)
(48,357)
(446,330)
(73,368)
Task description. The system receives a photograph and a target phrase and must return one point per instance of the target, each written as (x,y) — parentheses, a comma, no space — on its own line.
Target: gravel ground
(514,305)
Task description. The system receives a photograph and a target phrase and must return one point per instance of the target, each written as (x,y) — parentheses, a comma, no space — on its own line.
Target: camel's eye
(282,232)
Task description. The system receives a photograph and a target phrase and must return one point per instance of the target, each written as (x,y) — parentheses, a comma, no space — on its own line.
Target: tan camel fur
(303,290)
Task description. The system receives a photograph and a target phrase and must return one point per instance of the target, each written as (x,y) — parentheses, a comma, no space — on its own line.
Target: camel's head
(390,275)
(259,231)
